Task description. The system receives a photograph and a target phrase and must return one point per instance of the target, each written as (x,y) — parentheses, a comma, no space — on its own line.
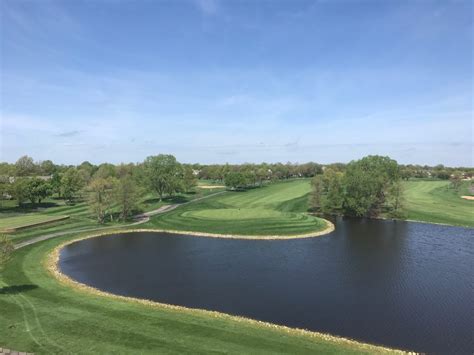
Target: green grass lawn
(40,314)
(436,202)
(79,214)
(276,209)
(27,220)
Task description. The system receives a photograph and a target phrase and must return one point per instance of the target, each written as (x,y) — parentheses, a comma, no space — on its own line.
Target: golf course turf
(273,210)
(43,314)
(437,202)
(31,220)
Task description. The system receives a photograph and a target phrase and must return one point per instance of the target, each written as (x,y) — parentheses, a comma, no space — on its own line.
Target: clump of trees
(366,188)
(113,193)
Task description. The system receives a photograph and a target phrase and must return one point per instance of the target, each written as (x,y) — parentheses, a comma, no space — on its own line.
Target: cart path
(140,219)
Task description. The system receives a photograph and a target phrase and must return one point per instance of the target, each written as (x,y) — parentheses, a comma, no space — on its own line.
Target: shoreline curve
(51,263)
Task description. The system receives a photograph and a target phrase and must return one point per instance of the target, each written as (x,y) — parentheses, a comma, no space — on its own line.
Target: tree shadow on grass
(28,207)
(168,199)
(175,199)
(13,290)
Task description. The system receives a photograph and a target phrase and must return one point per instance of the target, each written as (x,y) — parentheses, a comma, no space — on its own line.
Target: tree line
(362,188)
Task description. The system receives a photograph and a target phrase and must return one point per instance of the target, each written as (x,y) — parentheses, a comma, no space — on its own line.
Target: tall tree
(19,190)
(163,173)
(47,167)
(100,197)
(367,183)
(334,190)
(189,179)
(71,184)
(25,166)
(37,190)
(126,196)
(235,180)
(396,200)
(56,183)
(316,196)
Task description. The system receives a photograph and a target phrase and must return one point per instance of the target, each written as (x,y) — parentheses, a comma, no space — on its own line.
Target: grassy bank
(436,202)
(27,221)
(276,209)
(42,315)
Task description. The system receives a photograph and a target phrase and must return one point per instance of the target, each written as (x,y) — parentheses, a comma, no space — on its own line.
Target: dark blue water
(399,284)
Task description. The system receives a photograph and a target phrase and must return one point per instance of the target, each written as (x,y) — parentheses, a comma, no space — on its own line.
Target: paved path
(140,219)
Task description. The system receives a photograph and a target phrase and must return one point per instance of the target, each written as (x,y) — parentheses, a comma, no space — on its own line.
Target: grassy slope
(80,216)
(276,209)
(26,220)
(41,315)
(434,201)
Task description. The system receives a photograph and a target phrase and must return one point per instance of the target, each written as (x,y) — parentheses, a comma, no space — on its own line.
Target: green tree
(235,180)
(163,174)
(37,190)
(126,196)
(333,190)
(105,171)
(25,166)
(101,197)
(189,179)
(316,196)
(367,183)
(71,184)
(396,200)
(56,184)
(47,167)
(18,190)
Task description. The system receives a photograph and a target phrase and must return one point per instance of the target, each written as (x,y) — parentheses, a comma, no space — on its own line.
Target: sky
(233,81)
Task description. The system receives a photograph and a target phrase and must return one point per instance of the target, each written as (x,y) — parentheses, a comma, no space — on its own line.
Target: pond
(399,284)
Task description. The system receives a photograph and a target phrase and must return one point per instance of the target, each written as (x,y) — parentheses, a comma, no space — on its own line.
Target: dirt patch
(471,198)
(211,186)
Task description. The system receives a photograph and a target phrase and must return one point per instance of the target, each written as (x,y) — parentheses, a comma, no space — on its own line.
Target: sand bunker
(211,186)
(468,198)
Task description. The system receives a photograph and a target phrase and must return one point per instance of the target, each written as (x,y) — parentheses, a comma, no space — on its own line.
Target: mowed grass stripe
(26,221)
(436,202)
(261,211)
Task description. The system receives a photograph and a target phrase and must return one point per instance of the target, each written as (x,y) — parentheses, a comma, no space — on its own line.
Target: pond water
(399,284)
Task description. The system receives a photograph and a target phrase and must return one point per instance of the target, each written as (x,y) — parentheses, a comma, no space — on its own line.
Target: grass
(436,202)
(276,209)
(79,213)
(42,315)
(28,220)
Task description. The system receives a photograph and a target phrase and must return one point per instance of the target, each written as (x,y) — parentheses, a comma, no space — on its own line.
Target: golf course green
(279,209)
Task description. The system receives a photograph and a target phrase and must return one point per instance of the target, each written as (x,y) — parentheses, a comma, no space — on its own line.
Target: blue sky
(237,81)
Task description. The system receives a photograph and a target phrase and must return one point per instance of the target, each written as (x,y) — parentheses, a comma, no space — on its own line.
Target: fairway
(276,209)
(28,220)
(436,202)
